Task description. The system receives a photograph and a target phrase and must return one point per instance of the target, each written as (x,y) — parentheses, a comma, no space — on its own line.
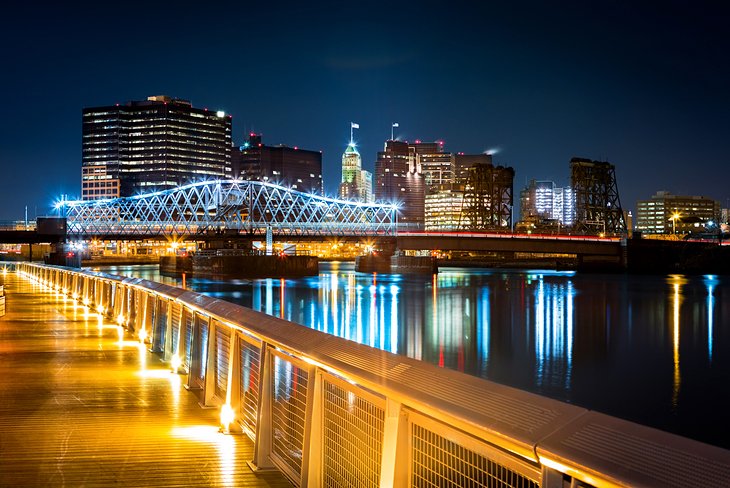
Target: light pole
(674,218)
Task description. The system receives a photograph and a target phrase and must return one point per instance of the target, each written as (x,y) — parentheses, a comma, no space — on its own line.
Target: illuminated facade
(357,184)
(443,210)
(97,184)
(152,145)
(437,168)
(398,180)
(293,167)
(542,200)
(665,213)
(413,173)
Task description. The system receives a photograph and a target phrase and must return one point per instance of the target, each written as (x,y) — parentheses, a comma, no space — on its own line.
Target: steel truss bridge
(230,207)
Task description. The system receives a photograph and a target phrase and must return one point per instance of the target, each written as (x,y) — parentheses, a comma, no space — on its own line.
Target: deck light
(227,417)
(176,363)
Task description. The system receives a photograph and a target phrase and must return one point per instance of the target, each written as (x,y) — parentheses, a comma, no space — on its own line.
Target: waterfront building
(443,209)
(300,169)
(541,202)
(150,145)
(357,184)
(665,213)
(398,180)
(409,173)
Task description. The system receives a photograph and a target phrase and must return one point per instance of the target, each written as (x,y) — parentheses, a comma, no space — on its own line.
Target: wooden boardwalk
(80,407)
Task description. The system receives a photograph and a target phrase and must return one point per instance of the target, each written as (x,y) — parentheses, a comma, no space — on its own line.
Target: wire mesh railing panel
(352,438)
(249,383)
(288,414)
(159,329)
(437,462)
(175,320)
(186,355)
(198,353)
(222,353)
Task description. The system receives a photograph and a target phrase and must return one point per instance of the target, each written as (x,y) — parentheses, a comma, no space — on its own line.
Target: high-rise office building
(543,201)
(665,213)
(357,183)
(463,162)
(300,169)
(151,145)
(411,173)
(398,180)
(437,168)
(443,209)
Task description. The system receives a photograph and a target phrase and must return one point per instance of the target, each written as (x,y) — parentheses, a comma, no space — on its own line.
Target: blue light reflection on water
(653,349)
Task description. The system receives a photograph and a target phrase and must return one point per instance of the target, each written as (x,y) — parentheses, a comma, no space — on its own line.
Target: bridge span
(502,242)
(232,207)
(329,412)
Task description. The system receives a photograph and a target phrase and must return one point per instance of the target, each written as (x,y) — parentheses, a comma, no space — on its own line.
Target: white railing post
(395,460)
(262,443)
(313,438)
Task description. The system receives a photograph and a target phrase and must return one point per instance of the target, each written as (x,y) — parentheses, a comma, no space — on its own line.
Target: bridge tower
(597,203)
(487,203)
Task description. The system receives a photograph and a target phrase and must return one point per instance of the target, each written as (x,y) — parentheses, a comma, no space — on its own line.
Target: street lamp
(674,218)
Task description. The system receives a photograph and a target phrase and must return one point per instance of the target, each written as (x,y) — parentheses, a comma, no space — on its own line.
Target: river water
(651,349)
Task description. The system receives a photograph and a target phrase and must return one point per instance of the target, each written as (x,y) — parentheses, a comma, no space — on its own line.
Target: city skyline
(639,87)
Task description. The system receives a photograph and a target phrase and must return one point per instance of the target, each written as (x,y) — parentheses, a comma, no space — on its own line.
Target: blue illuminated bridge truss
(229,206)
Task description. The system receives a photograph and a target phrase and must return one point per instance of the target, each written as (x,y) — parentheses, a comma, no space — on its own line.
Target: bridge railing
(330,412)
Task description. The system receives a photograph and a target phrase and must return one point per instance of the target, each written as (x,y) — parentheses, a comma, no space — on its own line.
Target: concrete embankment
(396,264)
(241,266)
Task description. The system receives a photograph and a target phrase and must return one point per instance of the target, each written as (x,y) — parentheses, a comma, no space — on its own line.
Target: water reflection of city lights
(710,282)
(554,331)
(676,281)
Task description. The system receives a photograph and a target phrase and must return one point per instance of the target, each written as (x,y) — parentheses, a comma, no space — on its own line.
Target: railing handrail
(549,434)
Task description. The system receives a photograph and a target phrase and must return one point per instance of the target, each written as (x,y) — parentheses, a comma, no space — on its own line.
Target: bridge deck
(78,407)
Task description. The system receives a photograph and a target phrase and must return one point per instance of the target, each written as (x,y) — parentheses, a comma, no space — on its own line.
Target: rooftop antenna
(393,126)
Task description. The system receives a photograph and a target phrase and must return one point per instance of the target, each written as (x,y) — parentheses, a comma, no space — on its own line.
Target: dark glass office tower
(152,145)
(294,167)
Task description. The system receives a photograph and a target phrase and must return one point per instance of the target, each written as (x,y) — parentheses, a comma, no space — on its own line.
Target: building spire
(353,125)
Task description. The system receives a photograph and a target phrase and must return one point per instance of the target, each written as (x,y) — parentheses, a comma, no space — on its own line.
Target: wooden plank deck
(79,407)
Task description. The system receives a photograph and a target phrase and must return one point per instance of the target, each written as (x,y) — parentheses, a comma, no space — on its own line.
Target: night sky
(644,85)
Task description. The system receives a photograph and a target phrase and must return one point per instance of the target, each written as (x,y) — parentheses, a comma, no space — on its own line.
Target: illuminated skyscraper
(543,201)
(398,179)
(357,184)
(151,145)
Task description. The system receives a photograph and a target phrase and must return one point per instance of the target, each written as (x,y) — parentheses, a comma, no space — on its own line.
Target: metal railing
(228,206)
(329,412)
